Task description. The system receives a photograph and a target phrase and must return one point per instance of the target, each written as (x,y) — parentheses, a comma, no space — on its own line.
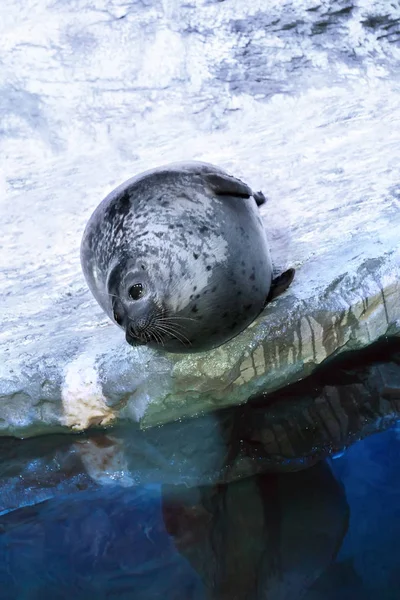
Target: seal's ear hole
(143,267)
(136,291)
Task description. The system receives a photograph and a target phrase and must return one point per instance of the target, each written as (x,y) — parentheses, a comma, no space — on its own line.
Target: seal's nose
(137,327)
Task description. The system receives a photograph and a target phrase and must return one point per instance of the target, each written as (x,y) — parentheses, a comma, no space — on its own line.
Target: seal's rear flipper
(280,284)
(259,198)
(225,185)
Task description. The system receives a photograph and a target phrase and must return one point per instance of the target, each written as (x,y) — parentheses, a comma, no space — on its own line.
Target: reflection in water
(264,537)
(269,536)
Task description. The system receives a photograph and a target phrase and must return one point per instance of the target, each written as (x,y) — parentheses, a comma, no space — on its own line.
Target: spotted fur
(191,235)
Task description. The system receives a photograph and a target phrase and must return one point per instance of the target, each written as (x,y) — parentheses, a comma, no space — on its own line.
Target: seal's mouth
(148,338)
(135,341)
(142,334)
(158,332)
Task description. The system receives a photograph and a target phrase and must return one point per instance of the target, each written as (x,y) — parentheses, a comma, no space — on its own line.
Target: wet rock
(299,99)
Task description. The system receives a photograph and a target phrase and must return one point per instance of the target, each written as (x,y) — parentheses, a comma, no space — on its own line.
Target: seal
(178,257)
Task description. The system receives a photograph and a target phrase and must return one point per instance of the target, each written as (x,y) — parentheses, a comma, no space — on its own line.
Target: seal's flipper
(280,284)
(259,198)
(225,185)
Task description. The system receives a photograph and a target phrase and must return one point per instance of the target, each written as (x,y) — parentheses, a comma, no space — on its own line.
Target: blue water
(368,563)
(327,533)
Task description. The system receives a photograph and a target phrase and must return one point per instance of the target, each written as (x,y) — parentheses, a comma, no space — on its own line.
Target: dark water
(170,513)
(328,532)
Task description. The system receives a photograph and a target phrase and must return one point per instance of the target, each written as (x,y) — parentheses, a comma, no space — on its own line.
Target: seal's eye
(118,317)
(136,291)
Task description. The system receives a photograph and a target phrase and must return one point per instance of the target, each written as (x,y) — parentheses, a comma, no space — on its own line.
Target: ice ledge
(77,122)
(80,372)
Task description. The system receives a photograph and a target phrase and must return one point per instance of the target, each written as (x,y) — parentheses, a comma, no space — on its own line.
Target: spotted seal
(178,257)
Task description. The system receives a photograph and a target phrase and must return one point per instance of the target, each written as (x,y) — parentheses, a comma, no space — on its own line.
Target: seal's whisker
(176,318)
(178,327)
(111,295)
(175,334)
(178,334)
(157,336)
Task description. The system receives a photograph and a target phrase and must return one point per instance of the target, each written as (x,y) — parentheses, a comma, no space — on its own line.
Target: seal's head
(144,305)
(136,305)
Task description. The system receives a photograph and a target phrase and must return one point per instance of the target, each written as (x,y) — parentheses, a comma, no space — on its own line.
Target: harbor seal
(178,257)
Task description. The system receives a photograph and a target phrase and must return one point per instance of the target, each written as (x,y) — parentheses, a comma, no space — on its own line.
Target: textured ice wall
(301,99)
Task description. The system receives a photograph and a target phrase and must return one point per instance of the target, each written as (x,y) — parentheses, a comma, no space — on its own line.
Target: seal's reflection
(268,536)
(264,537)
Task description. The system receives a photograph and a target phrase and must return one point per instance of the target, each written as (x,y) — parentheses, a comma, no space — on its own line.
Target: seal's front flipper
(280,284)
